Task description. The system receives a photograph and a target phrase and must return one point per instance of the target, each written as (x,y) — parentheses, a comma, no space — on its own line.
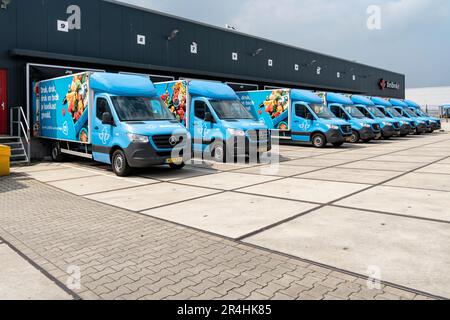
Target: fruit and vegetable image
(84,137)
(77,97)
(276,104)
(176,102)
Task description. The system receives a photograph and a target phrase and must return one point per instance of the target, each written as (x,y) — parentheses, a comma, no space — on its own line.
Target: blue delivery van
(435,122)
(367,107)
(423,125)
(363,128)
(111,118)
(407,126)
(220,126)
(297,115)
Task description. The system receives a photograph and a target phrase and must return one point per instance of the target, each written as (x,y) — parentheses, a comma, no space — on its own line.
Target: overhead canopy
(411,104)
(212,90)
(338,98)
(398,103)
(382,102)
(362,100)
(122,84)
(305,96)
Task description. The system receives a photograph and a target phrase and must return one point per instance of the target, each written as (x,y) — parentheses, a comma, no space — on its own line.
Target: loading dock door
(3,103)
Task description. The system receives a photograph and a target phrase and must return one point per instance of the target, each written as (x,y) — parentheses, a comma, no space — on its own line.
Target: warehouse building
(48,38)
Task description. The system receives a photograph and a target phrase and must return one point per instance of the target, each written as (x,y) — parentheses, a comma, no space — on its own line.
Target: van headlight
(138,138)
(236,132)
(365,125)
(387,124)
(332,127)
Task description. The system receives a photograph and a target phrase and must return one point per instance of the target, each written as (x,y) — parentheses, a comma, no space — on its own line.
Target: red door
(3,103)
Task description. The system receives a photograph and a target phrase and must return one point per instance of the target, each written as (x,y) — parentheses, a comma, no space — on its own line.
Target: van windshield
(409,113)
(354,112)
(231,110)
(376,112)
(322,111)
(141,109)
(420,113)
(394,112)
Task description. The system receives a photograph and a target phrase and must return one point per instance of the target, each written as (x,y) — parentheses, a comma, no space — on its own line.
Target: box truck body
(112,118)
(297,115)
(435,122)
(363,128)
(423,125)
(219,124)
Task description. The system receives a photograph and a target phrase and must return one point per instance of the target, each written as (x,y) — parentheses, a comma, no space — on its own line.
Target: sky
(412,38)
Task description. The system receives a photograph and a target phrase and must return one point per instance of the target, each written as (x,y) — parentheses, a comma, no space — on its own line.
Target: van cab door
(102,133)
(302,123)
(200,129)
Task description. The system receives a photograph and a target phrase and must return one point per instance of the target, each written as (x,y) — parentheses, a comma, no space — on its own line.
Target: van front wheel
(119,164)
(219,152)
(355,137)
(319,140)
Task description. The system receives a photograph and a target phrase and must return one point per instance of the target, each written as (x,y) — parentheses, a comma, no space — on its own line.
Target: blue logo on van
(104,136)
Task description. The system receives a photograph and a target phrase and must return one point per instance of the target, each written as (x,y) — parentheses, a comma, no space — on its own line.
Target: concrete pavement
(365,207)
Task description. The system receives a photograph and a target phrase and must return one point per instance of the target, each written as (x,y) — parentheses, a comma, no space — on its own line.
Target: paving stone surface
(124,255)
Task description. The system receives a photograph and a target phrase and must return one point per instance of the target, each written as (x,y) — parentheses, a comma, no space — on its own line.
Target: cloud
(412,39)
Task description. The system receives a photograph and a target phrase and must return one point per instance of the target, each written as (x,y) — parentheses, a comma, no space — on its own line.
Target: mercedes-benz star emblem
(173,141)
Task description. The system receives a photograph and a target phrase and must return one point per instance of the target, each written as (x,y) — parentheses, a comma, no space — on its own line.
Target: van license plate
(174,161)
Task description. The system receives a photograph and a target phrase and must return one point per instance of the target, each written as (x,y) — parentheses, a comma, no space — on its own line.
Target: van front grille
(169,141)
(346,129)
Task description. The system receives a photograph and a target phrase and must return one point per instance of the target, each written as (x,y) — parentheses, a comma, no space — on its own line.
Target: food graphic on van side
(84,135)
(276,103)
(176,102)
(77,97)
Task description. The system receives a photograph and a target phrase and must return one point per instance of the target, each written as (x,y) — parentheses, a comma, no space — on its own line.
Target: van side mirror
(107,119)
(209,117)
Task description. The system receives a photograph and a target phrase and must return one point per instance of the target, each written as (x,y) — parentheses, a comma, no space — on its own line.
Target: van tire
(218,152)
(119,164)
(355,137)
(57,155)
(319,140)
(175,166)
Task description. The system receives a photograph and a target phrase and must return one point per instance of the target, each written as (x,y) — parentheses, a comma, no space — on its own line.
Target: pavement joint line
(182,201)
(263,249)
(331,180)
(107,175)
(121,189)
(400,215)
(350,273)
(413,188)
(69,179)
(44,272)
(251,234)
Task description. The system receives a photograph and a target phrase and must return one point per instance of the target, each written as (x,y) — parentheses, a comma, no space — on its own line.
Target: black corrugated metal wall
(109,33)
